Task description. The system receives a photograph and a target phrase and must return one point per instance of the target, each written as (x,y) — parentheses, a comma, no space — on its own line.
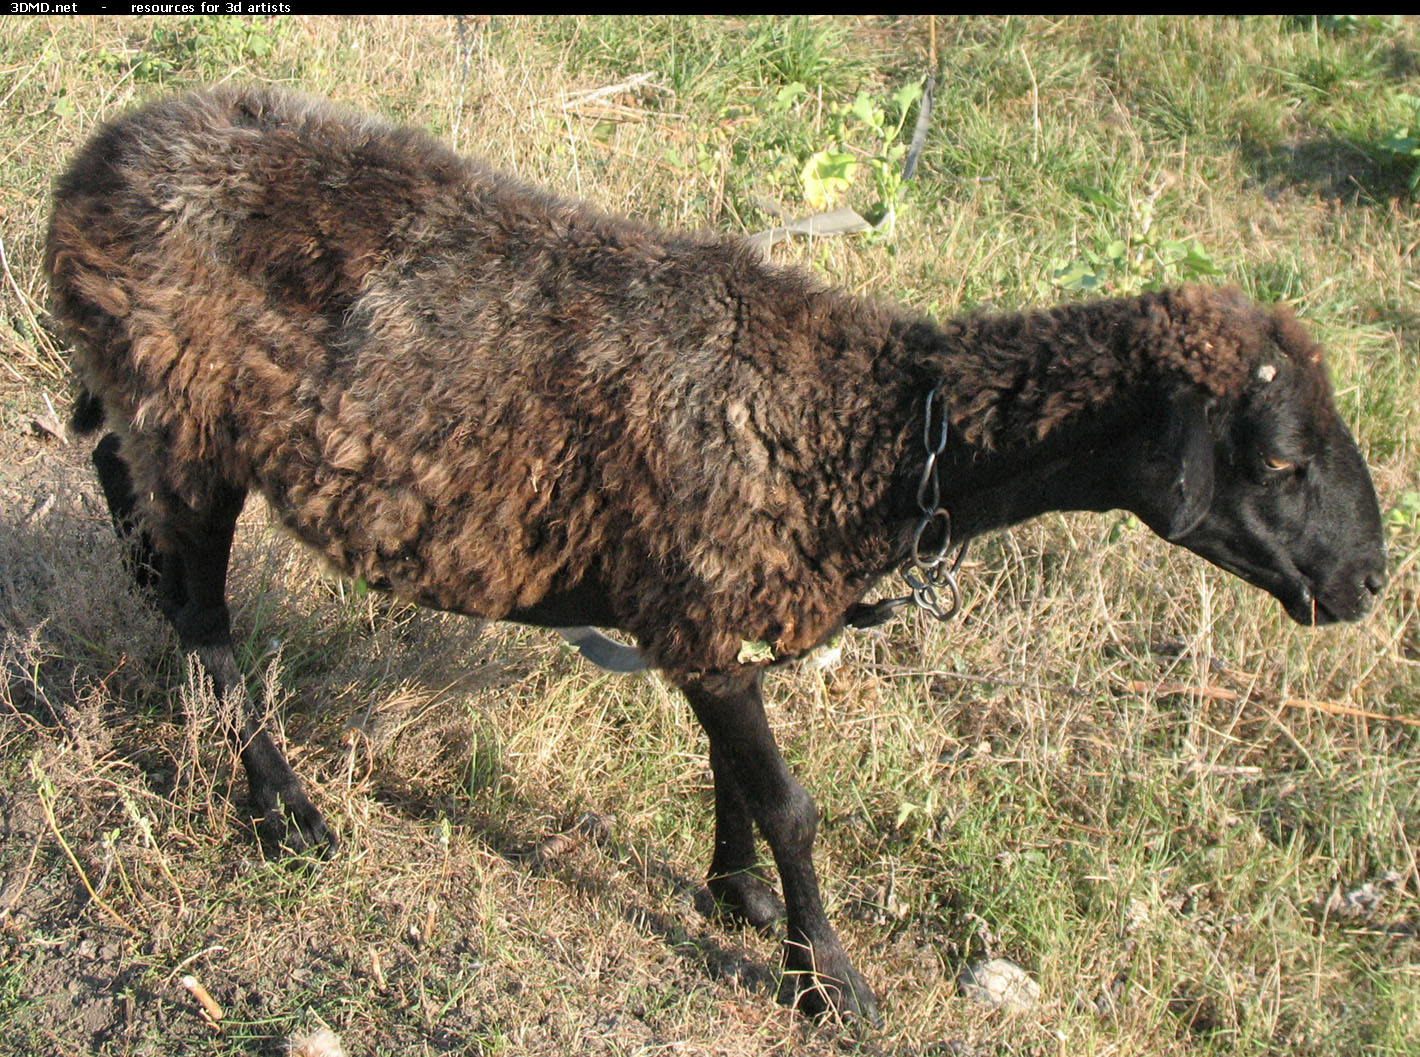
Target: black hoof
(293,826)
(746,900)
(829,990)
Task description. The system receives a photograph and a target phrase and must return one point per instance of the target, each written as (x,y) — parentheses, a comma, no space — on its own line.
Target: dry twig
(45,790)
(1218,693)
(211,1011)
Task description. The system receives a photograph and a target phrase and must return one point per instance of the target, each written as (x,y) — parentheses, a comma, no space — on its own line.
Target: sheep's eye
(1277,465)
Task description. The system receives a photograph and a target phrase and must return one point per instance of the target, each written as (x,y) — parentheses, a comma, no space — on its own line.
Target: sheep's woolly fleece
(460,388)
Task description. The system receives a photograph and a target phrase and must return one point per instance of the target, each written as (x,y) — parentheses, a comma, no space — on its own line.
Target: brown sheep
(496,402)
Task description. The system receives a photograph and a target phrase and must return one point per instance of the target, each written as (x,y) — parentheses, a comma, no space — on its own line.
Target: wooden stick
(1218,693)
(211,1011)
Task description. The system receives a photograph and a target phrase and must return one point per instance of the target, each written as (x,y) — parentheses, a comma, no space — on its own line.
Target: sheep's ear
(1185,446)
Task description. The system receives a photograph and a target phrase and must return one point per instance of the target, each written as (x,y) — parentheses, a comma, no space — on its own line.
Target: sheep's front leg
(141,557)
(818,977)
(740,892)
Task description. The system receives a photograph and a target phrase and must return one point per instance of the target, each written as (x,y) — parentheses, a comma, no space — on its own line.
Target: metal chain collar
(930,570)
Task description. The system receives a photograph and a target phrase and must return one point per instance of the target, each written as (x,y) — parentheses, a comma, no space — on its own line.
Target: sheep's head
(1267,482)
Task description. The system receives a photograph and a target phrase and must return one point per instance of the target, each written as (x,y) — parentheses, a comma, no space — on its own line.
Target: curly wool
(477,395)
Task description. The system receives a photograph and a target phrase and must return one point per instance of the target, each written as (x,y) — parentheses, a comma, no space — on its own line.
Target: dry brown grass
(1172,868)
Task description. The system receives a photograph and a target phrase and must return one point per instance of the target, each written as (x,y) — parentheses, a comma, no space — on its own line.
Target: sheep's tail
(88,414)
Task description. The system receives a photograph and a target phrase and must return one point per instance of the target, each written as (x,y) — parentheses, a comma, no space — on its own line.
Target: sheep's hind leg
(142,558)
(818,978)
(192,593)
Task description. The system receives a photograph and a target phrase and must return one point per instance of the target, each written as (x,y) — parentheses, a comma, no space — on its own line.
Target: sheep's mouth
(1295,592)
(1300,602)
(1317,605)
(1311,610)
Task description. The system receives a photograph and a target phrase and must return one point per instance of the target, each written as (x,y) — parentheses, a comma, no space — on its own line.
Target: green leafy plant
(864,134)
(204,44)
(826,175)
(1405,141)
(1405,515)
(1142,258)
(143,66)
(1138,262)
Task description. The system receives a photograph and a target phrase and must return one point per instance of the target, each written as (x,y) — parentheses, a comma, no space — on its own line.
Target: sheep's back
(449,383)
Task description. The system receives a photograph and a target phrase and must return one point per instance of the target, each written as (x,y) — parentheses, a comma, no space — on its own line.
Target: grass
(1173,868)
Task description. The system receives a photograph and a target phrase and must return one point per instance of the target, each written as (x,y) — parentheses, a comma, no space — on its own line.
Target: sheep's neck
(986,491)
(1044,408)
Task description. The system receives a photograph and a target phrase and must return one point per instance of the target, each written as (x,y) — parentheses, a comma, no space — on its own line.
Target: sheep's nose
(1375,582)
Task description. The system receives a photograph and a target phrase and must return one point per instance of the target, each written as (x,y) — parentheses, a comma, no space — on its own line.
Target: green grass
(1170,867)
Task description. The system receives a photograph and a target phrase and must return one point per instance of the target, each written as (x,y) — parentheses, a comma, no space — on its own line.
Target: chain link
(930,574)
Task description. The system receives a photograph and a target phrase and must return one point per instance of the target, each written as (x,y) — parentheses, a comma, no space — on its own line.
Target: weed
(1140,258)
(862,134)
(202,45)
(1405,141)
(1144,261)
(1404,516)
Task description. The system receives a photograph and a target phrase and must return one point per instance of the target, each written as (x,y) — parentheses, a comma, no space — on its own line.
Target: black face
(1293,510)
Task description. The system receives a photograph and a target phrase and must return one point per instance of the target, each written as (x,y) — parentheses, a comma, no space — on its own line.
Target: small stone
(320,1043)
(48,425)
(999,983)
